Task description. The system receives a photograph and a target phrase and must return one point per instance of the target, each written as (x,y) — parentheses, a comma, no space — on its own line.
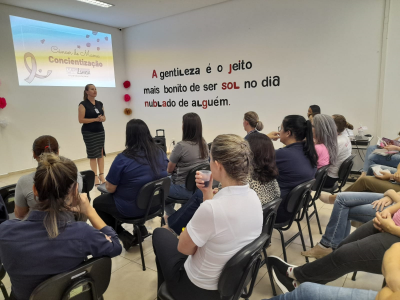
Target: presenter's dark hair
(341,123)
(252,118)
(45,144)
(139,145)
(301,130)
(85,96)
(264,164)
(192,131)
(315,109)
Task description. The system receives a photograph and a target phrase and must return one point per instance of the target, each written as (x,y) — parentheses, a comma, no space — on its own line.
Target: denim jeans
(348,206)
(371,172)
(181,218)
(371,159)
(314,291)
(177,191)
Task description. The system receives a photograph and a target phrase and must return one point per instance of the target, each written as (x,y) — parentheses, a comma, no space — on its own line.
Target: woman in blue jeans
(372,158)
(348,206)
(390,270)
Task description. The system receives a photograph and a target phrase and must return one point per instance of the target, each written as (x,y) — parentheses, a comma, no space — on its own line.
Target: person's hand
(386,225)
(215,190)
(382,203)
(84,205)
(98,119)
(207,191)
(396,176)
(386,214)
(391,148)
(274,135)
(384,176)
(103,118)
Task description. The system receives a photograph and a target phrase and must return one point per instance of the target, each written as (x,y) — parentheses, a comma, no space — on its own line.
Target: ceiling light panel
(97,3)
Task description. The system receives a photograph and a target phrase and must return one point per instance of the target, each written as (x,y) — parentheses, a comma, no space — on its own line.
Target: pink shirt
(396,218)
(323,155)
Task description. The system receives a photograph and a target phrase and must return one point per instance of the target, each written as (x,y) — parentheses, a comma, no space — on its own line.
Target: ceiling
(124,14)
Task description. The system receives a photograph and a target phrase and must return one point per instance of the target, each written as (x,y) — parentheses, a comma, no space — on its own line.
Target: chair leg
(316,216)
(3,290)
(309,228)
(283,245)
(163,221)
(302,238)
(354,276)
(269,268)
(139,234)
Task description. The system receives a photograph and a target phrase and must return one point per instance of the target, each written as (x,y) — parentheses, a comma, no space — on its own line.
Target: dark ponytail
(302,132)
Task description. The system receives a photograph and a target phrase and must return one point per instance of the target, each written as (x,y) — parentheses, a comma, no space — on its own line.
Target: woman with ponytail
(251,123)
(91,115)
(49,241)
(297,162)
(24,198)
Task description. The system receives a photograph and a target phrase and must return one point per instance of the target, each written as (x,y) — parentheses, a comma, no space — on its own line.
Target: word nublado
(185,103)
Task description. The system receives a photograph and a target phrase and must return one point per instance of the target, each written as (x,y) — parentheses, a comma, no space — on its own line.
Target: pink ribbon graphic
(33,71)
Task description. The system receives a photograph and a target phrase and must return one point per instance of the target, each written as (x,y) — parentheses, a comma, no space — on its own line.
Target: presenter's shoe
(317,252)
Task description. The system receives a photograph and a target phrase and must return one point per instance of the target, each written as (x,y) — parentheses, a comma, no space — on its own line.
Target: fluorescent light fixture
(98,3)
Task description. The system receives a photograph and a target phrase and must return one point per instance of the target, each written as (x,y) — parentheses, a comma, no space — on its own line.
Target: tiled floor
(128,281)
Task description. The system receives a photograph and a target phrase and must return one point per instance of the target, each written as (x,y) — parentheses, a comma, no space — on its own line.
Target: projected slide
(56,55)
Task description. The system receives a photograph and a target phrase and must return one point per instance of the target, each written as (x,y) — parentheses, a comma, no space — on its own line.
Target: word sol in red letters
(230,85)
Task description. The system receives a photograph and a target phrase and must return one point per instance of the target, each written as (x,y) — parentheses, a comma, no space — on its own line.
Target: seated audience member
(49,241)
(391,291)
(376,159)
(251,123)
(360,207)
(297,162)
(223,224)
(313,110)
(262,181)
(362,250)
(24,198)
(141,162)
(191,152)
(374,184)
(343,152)
(325,137)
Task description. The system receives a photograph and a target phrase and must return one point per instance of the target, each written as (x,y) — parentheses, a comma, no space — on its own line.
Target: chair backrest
(296,201)
(160,140)
(241,270)
(88,180)
(191,179)
(270,211)
(320,178)
(8,195)
(153,194)
(345,169)
(88,281)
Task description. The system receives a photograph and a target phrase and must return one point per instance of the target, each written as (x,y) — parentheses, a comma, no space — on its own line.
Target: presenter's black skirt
(94,142)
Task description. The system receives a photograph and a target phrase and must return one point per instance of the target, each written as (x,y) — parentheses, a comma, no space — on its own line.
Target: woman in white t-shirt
(222,225)
(344,150)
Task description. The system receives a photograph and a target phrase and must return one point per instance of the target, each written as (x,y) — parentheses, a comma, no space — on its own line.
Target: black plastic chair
(2,286)
(190,183)
(159,140)
(151,198)
(8,195)
(344,172)
(238,273)
(87,282)
(320,178)
(88,181)
(296,204)
(270,211)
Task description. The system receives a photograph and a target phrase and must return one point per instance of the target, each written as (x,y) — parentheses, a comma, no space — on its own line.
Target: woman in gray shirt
(191,152)
(24,198)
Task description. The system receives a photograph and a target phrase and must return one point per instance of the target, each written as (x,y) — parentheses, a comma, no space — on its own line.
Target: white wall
(325,52)
(34,111)
(391,99)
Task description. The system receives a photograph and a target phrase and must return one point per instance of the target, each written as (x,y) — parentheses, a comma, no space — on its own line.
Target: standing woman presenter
(91,115)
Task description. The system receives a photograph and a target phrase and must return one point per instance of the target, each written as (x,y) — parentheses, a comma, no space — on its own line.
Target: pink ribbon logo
(33,71)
